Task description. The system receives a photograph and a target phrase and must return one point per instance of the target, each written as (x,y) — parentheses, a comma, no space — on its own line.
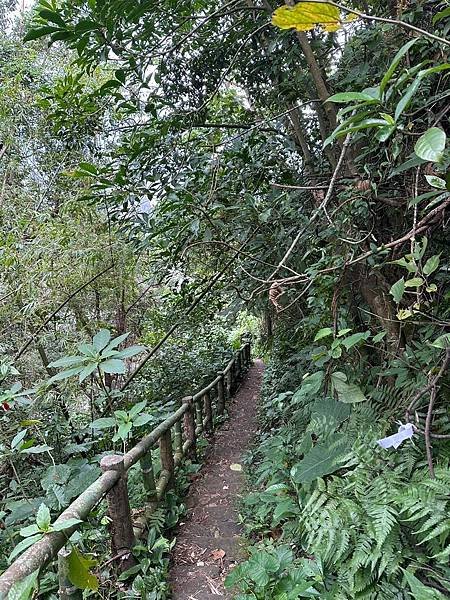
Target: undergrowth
(329,513)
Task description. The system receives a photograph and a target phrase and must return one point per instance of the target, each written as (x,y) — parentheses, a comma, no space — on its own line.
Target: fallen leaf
(218,554)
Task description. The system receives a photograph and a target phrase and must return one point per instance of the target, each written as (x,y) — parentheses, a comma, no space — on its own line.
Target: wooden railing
(176,438)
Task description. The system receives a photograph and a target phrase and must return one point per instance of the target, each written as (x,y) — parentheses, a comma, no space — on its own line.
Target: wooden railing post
(122,537)
(230,381)
(166,455)
(148,475)
(66,590)
(189,428)
(238,367)
(199,416)
(178,439)
(249,354)
(220,394)
(207,404)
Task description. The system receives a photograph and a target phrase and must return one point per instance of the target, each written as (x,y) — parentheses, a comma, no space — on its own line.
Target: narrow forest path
(208,538)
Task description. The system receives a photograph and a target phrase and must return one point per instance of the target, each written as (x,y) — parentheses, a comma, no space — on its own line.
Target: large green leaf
(431,145)
(103,423)
(113,365)
(331,409)
(323,459)
(394,64)
(23,589)
(66,361)
(421,591)
(23,545)
(325,332)
(101,339)
(349,393)
(43,517)
(397,290)
(351,97)
(79,571)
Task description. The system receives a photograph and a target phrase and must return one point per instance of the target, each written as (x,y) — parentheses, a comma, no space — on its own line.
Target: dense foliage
(170,164)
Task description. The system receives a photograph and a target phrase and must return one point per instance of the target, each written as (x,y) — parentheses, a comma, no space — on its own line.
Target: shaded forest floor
(208,539)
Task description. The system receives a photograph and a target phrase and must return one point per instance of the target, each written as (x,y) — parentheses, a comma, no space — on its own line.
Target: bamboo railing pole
(166,455)
(148,476)
(122,536)
(189,428)
(209,425)
(220,394)
(66,591)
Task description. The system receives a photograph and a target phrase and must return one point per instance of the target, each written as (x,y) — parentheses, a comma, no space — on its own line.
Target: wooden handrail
(112,483)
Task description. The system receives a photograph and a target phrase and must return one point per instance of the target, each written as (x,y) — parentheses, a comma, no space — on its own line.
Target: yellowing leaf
(403,314)
(304,16)
(79,571)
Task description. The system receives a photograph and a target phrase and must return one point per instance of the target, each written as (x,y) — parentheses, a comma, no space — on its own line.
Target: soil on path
(208,539)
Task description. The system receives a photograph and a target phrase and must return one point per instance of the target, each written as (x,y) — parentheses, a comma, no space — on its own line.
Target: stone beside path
(208,538)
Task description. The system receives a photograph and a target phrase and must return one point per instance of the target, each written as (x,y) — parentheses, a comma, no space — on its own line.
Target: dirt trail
(208,538)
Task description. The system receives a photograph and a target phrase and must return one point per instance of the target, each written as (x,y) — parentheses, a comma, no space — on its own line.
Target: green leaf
(137,408)
(66,361)
(354,339)
(101,339)
(349,393)
(17,439)
(23,589)
(325,332)
(116,341)
(421,591)
(52,16)
(142,419)
(285,508)
(23,545)
(436,182)
(397,290)
(88,350)
(113,365)
(377,338)
(29,530)
(394,64)
(87,370)
(36,449)
(130,351)
(66,524)
(406,98)
(43,519)
(39,32)
(65,374)
(414,282)
(431,265)
(79,571)
(323,459)
(343,332)
(123,431)
(344,97)
(262,565)
(431,145)
(384,133)
(103,423)
(331,409)
(441,15)
(443,341)
(92,169)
